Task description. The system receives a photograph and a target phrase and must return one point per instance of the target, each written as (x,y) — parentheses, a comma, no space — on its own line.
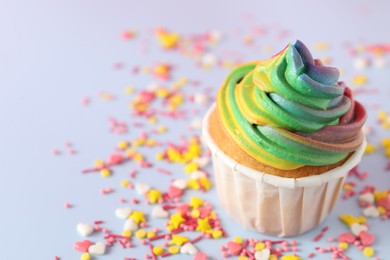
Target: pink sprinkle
(122,200)
(55,152)
(98,222)
(56,258)
(293,243)
(85,101)
(67,205)
(311,255)
(318,237)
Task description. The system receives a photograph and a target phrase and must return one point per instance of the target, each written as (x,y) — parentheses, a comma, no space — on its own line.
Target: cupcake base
(266,202)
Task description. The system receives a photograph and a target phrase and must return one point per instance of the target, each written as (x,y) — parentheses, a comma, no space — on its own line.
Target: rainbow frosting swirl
(291,111)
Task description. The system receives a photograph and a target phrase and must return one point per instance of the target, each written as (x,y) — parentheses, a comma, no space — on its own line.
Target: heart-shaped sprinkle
(97,249)
(174,192)
(366,238)
(180,184)
(202,161)
(123,213)
(200,256)
(82,246)
(159,212)
(142,188)
(371,212)
(384,202)
(367,198)
(347,237)
(188,248)
(356,228)
(234,248)
(130,225)
(197,175)
(84,229)
(263,254)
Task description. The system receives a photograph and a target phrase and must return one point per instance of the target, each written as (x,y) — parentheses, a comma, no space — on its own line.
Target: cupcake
(284,134)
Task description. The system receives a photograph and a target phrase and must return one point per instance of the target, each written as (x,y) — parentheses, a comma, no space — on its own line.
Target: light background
(54,53)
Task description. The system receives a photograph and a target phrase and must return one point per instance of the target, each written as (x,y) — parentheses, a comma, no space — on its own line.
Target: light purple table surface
(55,53)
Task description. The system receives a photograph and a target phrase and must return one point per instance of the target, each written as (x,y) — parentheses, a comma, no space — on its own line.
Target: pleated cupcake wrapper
(271,204)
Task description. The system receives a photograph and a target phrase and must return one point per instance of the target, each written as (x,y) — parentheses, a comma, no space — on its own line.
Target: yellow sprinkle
(203,225)
(216,234)
(259,246)
(368,251)
(370,148)
(154,196)
(99,163)
(195,213)
(382,115)
(206,183)
(191,167)
(139,142)
(386,142)
(127,233)
(168,40)
(150,234)
(159,156)
(138,217)
(193,184)
(382,211)
(291,257)
(152,120)
(140,233)
(174,155)
(343,245)
(128,90)
(150,143)
(359,80)
(158,250)
(387,152)
(85,256)
(238,240)
(124,183)
(243,258)
(176,219)
(321,46)
(173,250)
(138,157)
(347,187)
(380,195)
(273,257)
(178,240)
(162,93)
(123,145)
(130,152)
(105,173)
(161,129)
(196,202)
(349,219)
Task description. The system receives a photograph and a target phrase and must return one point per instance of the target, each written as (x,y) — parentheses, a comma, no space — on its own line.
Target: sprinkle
(138,217)
(157,250)
(196,202)
(85,256)
(178,240)
(368,251)
(173,250)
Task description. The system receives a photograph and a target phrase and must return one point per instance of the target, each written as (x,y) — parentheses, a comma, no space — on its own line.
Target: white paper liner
(271,204)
